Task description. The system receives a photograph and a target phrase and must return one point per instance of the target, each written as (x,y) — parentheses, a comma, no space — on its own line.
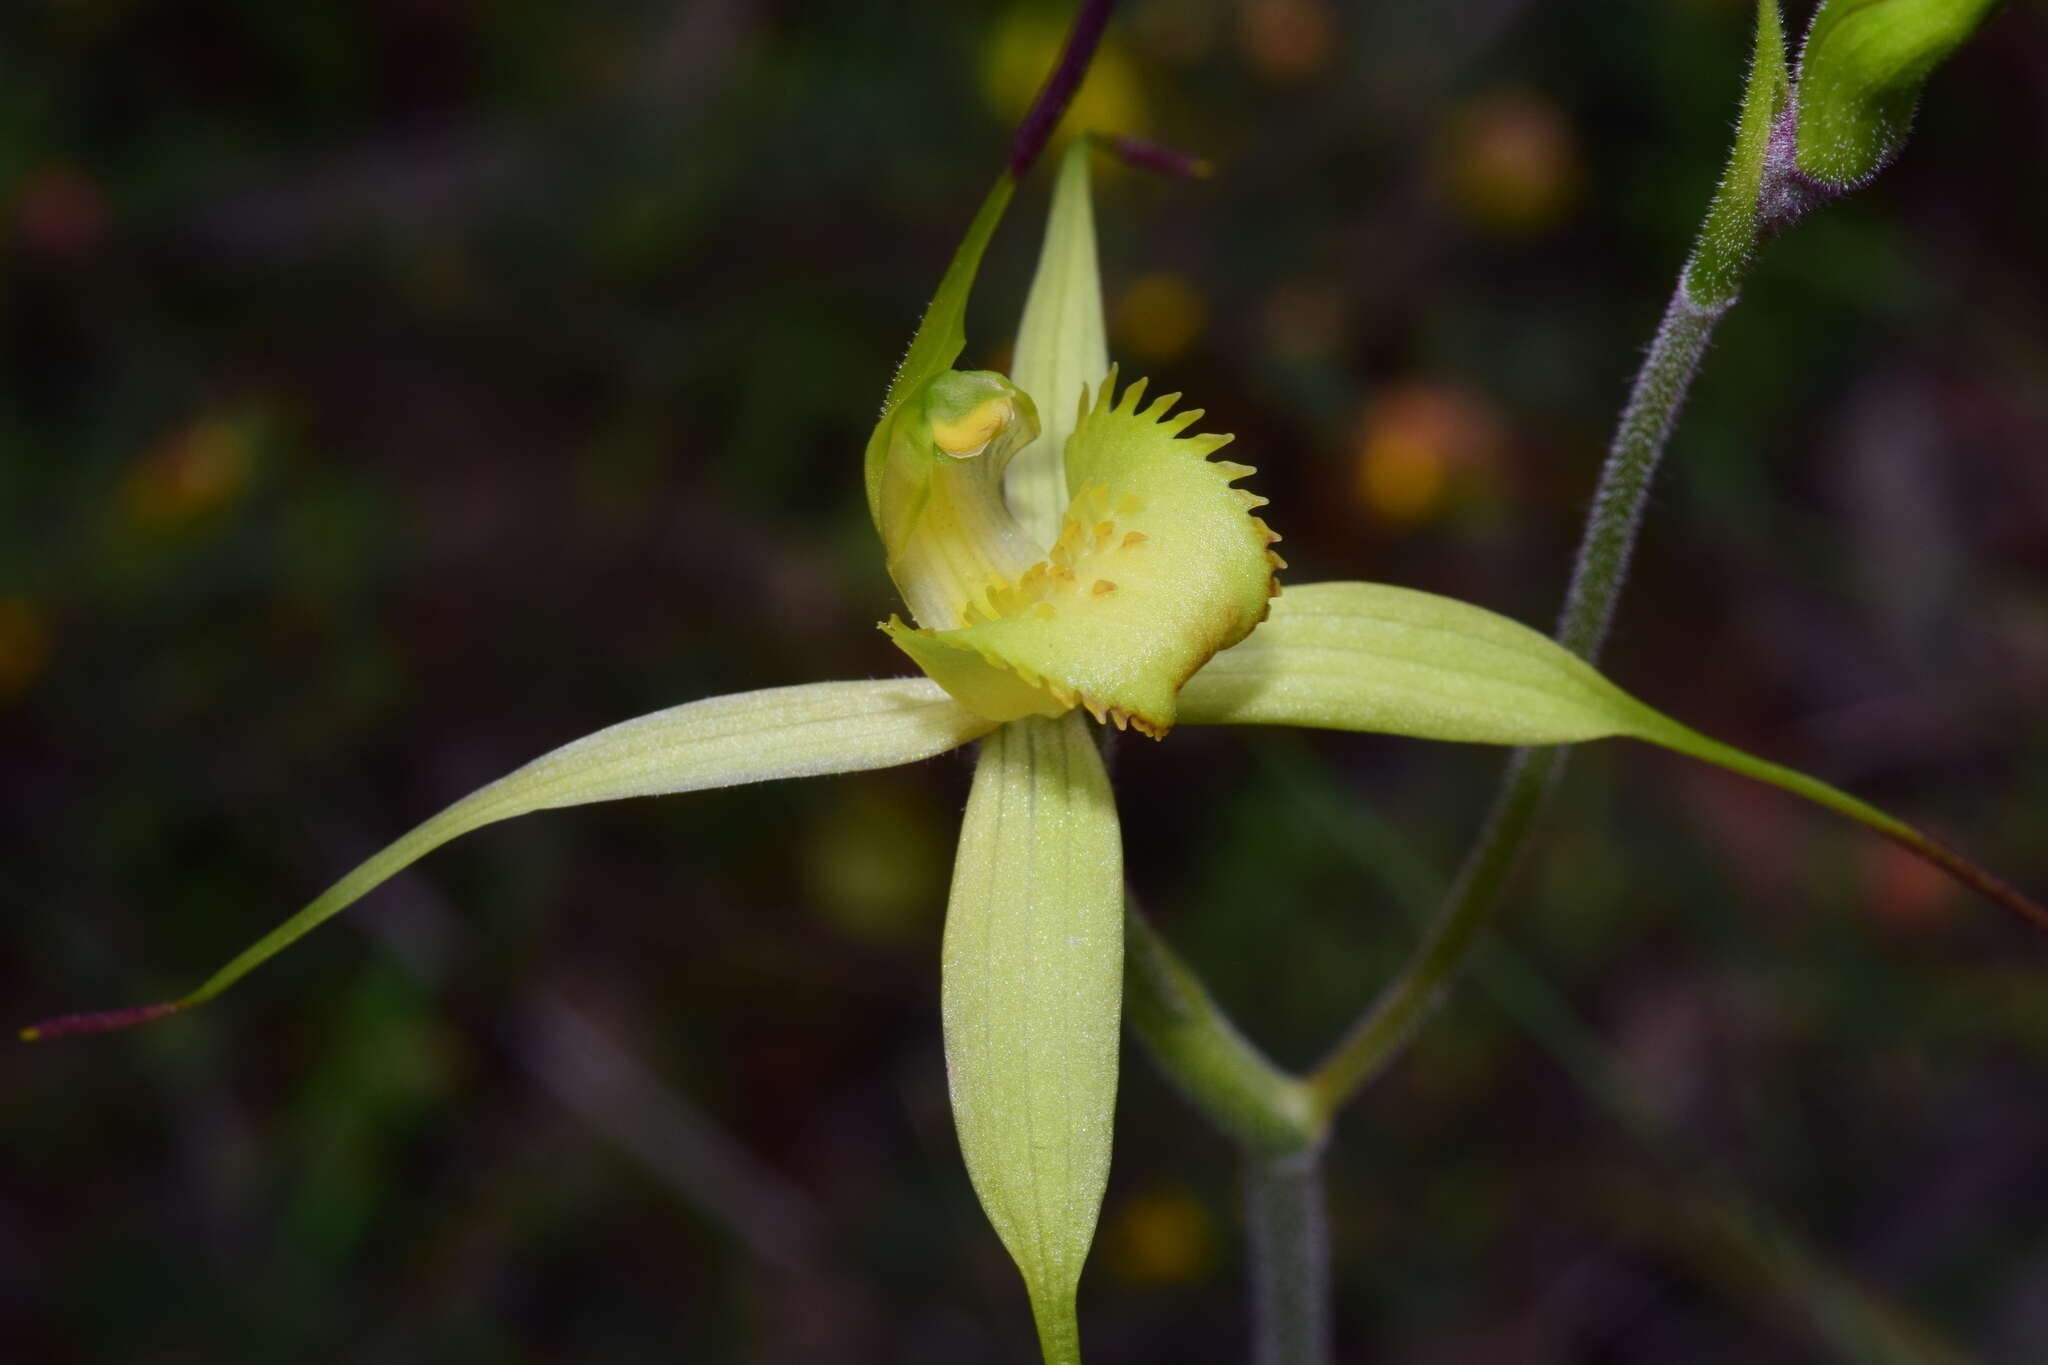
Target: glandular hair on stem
(1653,406)
(1788,193)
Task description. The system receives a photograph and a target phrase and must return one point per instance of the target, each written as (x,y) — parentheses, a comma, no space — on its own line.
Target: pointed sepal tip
(98,1021)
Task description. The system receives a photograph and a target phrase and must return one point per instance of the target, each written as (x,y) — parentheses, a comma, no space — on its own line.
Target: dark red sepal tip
(98,1021)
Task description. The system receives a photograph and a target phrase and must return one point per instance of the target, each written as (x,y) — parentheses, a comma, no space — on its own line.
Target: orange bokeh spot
(1907,894)
(194,472)
(1161,1237)
(1287,40)
(24,646)
(1415,441)
(1509,162)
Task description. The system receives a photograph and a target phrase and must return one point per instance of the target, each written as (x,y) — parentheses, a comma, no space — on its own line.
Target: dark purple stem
(1058,90)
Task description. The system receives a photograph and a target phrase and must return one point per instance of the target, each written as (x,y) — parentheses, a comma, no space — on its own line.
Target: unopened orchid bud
(1860,78)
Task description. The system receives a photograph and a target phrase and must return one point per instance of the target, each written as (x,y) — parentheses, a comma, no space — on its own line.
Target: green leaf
(1060,347)
(1032,987)
(1728,239)
(721,742)
(941,334)
(1860,76)
(1364,656)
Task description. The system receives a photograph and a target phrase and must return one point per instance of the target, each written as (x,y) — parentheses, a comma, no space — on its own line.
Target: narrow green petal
(1663,730)
(1060,346)
(721,742)
(1365,656)
(1032,986)
(941,335)
(1159,563)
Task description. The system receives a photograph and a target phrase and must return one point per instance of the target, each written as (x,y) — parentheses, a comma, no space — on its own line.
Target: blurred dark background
(395,390)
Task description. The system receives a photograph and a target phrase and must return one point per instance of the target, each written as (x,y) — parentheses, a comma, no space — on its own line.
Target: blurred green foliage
(392,391)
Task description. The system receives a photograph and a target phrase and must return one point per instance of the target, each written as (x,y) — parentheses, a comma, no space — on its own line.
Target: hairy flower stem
(1387,1026)
(1601,568)
(1290,1258)
(1280,1119)
(1617,513)
(1276,1121)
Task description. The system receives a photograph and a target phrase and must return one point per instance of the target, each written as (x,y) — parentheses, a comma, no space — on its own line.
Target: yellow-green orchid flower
(1066,549)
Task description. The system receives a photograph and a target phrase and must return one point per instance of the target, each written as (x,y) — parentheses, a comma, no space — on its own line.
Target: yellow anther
(1132,538)
(1103,587)
(969,434)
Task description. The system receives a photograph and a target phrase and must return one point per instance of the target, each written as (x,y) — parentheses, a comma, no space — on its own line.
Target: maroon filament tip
(1160,160)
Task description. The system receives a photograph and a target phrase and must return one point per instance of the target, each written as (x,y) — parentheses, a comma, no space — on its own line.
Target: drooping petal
(721,742)
(1060,347)
(941,336)
(1159,564)
(1032,989)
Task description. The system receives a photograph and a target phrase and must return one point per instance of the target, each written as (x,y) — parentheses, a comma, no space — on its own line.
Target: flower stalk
(1285,1219)
(1262,1107)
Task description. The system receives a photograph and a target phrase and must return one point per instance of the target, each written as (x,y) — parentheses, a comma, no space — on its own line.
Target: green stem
(1260,1105)
(1385,1028)
(1711,1228)
(1601,568)
(1059,1331)
(1196,1045)
(1290,1260)
(1617,515)
(1190,1038)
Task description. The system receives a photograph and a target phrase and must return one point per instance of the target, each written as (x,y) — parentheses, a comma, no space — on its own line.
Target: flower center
(950,537)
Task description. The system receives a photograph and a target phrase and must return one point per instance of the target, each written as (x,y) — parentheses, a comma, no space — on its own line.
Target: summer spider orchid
(1066,549)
